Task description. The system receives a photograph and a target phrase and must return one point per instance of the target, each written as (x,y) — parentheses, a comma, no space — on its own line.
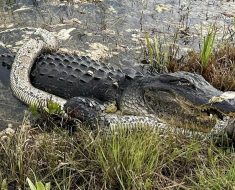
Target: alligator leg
(84,109)
(87,109)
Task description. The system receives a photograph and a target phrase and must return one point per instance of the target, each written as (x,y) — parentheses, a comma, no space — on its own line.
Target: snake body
(21,67)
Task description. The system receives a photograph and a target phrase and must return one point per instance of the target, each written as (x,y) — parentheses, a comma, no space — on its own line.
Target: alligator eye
(184,82)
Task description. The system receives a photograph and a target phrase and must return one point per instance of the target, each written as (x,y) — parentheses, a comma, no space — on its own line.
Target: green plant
(157,57)
(149,48)
(4,185)
(126,159)
(214,176)
(129,159)
(38,185)
(51,108)
(207,47)
(33,108)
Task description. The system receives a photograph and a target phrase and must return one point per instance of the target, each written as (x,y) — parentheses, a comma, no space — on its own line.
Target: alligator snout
(224,107)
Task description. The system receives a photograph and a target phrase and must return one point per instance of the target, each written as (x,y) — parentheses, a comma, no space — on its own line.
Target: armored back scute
(67,76)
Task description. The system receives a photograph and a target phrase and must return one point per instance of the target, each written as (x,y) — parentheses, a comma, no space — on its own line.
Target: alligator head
(181,99)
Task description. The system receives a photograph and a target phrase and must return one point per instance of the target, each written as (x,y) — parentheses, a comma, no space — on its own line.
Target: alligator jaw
(191,116)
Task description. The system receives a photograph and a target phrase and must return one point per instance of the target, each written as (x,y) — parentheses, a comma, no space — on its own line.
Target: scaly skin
(20,71)
(189,92)
(181,99)
(27,93)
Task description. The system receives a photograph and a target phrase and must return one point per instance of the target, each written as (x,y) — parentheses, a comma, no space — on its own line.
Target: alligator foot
(83,109)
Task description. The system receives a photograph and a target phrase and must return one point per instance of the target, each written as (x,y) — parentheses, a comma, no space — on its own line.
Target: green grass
(207,47)
(129,161)
(155,54)
(123,160)
(38,185)
(159,58)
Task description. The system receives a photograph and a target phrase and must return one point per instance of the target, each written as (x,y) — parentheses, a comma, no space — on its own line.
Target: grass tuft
(38,185)
(123,160)
(157,58)
(129,161)
(207,48)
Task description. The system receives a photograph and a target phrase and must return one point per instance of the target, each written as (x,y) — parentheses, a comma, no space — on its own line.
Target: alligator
(89,89)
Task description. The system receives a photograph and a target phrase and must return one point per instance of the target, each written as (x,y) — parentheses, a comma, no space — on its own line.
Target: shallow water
(111,30)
